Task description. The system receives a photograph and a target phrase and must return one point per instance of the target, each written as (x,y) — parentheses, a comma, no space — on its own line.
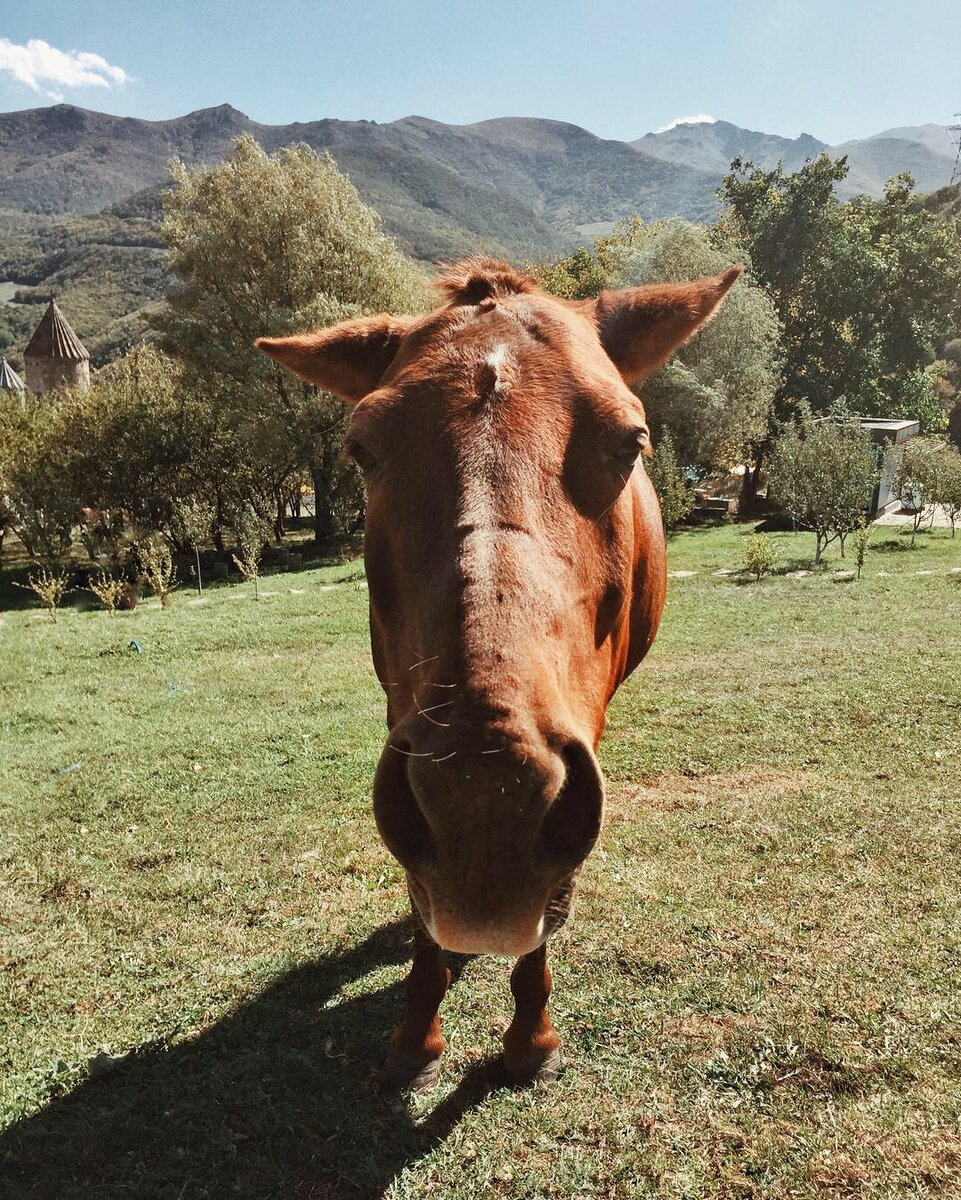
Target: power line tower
(955,131)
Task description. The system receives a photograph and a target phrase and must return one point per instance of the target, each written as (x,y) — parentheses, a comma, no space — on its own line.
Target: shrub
(109,591)
(674,492)
(861,538)
(251,533)
(157,564)
(50,587)
(822,472)
(918,481)
(762,555)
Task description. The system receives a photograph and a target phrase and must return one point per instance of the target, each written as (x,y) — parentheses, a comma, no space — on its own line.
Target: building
(889,436)
(55,355)
(10,381)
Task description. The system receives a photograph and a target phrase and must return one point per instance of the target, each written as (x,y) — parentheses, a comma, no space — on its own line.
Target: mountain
(80,191)
(67,159)
(926,151)
(712,145)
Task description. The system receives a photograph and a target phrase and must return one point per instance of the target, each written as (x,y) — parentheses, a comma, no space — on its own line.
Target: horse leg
(413,1057)
(531,1044)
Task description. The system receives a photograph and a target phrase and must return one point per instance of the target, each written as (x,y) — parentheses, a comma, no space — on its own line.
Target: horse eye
(631,444)
(361,456)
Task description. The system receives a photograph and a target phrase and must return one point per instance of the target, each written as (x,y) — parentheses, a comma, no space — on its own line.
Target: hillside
(713,145)
(924,150)
(80,191)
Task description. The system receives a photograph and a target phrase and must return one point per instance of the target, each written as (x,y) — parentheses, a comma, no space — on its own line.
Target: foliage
(822,472)
(762,555)
(577,276)
(862,537)
(265,245)
(865,290)
(675,492)
(926,477)
(36,454)
(715,394)
(949,486)
(49,587)
(250,533)
(192,526)
(108,589)
(157,564)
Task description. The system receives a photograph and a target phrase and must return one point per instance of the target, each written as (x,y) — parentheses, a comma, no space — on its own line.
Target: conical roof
(55,339)
(10,381)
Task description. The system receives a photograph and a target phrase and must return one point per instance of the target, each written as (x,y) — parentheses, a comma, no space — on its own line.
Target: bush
(157,564)
(49,587)
(861,538)
(674,492)
(762,555)
(109,591)
(822,472)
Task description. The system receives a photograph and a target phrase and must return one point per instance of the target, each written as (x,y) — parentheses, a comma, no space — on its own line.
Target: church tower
(56,355)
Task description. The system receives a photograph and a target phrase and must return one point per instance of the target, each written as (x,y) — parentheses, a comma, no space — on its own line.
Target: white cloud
(45,69)
(700,119)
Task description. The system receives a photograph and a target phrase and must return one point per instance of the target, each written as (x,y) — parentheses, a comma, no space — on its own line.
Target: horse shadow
(283,1098)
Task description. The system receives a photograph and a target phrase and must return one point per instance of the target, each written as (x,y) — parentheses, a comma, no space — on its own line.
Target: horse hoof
(411,1074)
(527,1072)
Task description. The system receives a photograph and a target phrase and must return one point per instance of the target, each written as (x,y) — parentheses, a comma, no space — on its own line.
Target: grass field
(202,942)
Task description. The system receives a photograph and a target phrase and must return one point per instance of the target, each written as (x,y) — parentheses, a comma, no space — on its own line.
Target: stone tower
(56,355)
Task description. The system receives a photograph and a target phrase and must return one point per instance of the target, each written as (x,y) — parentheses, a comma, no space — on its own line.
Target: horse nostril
(573,821)
(399,818)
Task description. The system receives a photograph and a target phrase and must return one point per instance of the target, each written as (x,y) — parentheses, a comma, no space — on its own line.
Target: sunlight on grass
(758,996)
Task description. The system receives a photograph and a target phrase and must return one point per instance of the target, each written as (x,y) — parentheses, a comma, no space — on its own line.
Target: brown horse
(516,567)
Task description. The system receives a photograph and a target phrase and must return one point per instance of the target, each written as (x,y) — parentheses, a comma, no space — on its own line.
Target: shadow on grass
(893,544)
(283,1098)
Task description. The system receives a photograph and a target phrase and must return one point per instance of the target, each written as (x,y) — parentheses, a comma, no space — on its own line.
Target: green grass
(760,994)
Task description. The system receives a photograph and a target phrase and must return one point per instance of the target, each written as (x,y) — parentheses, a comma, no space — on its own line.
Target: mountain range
(78,187)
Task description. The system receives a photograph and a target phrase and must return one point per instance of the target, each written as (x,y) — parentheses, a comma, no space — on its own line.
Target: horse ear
(640,328)
(348,359)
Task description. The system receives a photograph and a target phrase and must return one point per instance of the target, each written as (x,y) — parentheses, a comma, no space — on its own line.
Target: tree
(266,245)
(866,290)
(675,492)
(949,486)
(714,396)
(39,484)
(823,472)
(920,479)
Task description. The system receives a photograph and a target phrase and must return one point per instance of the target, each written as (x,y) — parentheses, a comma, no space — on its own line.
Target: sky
(838,69)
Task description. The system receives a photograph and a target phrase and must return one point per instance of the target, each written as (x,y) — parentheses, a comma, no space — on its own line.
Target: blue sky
(839,69)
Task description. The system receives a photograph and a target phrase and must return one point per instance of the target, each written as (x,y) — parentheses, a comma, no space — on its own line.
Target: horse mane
(475,279)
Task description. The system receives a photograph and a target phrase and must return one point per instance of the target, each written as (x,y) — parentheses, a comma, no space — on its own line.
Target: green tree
(866,290)
(675,492)
(38,476)
(822,471)
(919,482)
(714,396)
(264,245)
(949,486)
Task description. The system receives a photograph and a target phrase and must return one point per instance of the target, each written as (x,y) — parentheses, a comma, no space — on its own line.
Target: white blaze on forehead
(495,374)
(481,466)
(498,356)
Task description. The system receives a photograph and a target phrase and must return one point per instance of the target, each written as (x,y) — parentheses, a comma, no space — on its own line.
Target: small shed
(55,354)
(889,436)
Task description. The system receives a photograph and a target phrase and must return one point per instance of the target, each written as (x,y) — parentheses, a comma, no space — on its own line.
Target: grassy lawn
(202,942)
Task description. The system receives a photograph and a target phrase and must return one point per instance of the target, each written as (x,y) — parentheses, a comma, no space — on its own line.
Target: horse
(516,568)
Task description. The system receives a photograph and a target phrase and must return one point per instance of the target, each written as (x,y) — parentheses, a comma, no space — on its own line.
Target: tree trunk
(323,515)
(279,527)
